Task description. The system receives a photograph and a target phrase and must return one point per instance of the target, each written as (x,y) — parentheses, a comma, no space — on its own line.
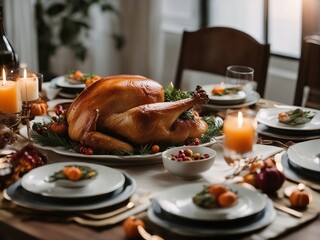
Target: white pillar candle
(29,87)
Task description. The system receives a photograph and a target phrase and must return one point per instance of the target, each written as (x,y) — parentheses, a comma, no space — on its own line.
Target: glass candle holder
(239,136)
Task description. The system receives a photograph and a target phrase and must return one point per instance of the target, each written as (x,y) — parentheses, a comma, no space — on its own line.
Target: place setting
(36,191)
(302,164)
(290,123)
(69,85)
(236,91)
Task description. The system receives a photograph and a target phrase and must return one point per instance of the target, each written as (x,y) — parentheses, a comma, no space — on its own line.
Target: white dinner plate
(178,201)
(251,99)
(17,194)
(107,180)
(104,159)
(63,83)
(201,230)
(237,98)
(306,154)
(269,117)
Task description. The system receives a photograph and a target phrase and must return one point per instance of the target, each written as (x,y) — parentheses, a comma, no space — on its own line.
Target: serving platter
(251,99)
(178,201)
(104,159)
(17,194)
(306,155)
(236,98)
(269,117)
(201,230)
(107,181)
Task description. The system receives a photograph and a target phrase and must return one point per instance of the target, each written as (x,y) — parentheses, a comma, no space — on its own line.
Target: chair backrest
(213,49)
(309,73)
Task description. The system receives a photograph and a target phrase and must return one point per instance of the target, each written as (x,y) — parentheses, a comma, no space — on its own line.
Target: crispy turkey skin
(120,111)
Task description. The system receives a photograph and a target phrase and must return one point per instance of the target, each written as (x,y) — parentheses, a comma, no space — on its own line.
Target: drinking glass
(242,76)
(239,136)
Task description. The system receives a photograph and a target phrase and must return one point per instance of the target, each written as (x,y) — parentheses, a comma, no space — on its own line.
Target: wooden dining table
(23,224)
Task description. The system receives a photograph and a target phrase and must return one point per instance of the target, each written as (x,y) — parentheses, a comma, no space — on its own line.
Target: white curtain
(20,26)
(140,23)
(144,49)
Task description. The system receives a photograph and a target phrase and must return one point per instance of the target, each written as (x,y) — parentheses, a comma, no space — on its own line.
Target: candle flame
(4,79)
(24,73)
(240,119)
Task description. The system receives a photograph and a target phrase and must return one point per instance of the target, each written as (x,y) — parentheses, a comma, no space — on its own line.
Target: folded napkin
(49,90)
(220,169)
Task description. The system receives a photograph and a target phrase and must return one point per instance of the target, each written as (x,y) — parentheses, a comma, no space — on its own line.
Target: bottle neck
(1,19)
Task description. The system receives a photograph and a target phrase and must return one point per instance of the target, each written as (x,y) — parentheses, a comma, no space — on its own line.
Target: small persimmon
(250,178)
(130,227)
(217,189)
(155,148)
(227,199)
(72,173)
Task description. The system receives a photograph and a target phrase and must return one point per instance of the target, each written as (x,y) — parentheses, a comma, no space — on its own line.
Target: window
(278,22)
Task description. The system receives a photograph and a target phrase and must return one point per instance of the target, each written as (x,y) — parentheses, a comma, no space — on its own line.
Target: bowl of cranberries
(188,162)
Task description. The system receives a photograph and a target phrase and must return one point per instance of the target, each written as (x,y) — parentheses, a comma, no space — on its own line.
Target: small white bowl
(188,170)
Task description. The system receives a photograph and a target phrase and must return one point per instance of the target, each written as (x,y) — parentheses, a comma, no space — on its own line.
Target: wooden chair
(213,49)
(309,73)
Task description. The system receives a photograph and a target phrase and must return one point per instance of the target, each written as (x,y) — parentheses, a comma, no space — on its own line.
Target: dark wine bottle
(8,58)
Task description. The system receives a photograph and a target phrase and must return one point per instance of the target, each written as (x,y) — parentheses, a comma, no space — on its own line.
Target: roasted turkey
(118,112)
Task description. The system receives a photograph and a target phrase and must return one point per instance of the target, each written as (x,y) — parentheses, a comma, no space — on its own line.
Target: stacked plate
(68,90)
(109,188)
(302,163)
(269,125)
(174,209)
(237,100)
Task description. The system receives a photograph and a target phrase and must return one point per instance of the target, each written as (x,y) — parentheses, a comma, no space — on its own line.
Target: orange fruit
(130,227)
(72,173)
(227,199)
(217,189)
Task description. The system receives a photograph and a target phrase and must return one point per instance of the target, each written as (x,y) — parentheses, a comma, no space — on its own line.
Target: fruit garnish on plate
(215,196)
(78,77)
(221,90)
(295,117)
(73,173)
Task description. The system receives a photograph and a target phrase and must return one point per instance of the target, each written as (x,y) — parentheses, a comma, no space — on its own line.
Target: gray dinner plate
(203,230)
(17,194)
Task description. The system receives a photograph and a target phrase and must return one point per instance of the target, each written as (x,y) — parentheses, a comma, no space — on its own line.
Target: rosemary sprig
(214,128)
(49,138)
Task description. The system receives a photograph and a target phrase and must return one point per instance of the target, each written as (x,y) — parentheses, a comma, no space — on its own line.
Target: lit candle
(29,87)
(10,98)
(239,133)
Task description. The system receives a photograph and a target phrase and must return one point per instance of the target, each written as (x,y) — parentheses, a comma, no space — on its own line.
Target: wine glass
(242,76)
(239,137)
